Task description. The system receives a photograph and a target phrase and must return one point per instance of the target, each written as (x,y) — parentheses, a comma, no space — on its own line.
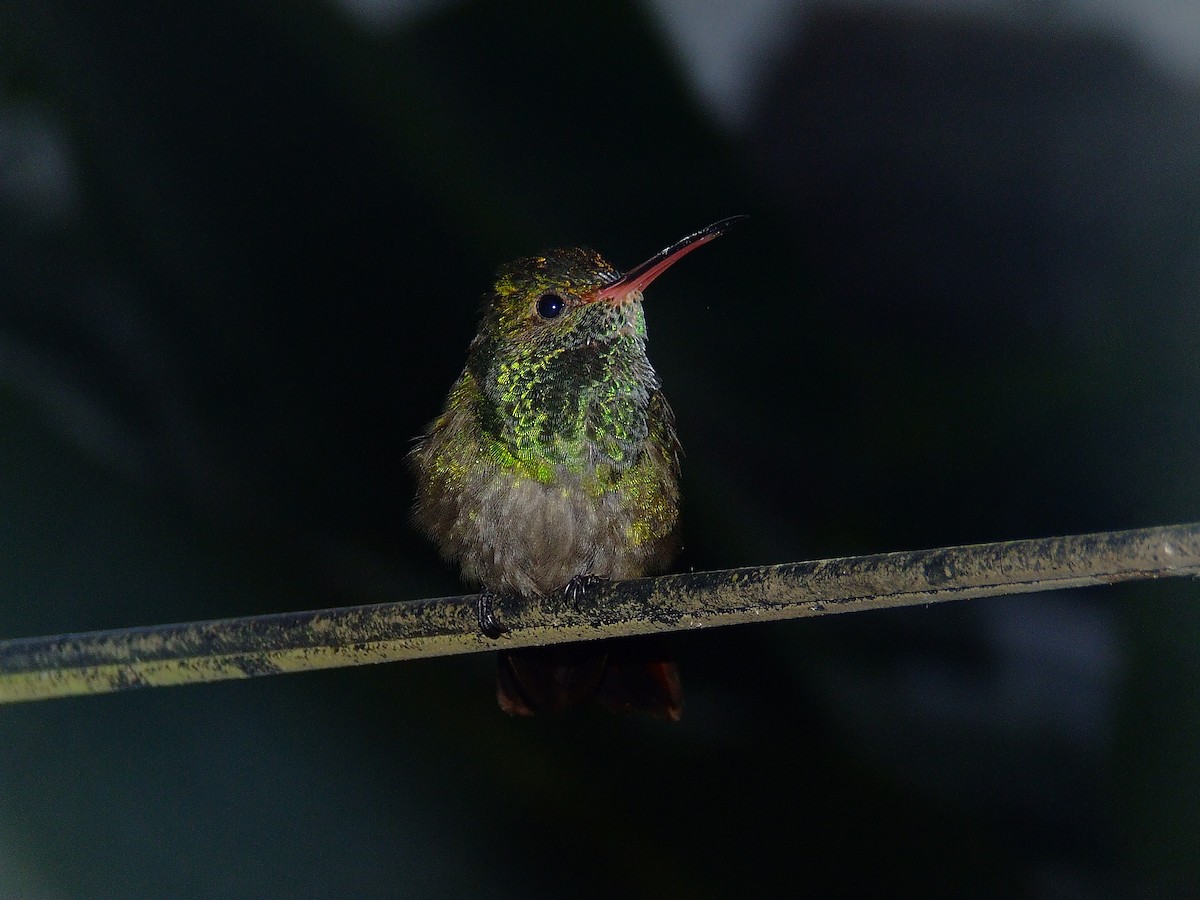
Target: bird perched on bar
(555,462)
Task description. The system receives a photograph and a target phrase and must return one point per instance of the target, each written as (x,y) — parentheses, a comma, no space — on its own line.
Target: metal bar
(161,655)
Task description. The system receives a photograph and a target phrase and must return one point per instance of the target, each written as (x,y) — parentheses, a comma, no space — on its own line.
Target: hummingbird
(555,462)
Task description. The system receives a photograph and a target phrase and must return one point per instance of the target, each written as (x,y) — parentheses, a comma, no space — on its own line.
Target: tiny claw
(578,586)
(485,610)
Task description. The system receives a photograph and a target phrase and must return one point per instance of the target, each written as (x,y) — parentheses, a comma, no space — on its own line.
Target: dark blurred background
(241,250)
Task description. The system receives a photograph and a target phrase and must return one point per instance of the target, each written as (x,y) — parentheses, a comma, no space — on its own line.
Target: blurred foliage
(240,251)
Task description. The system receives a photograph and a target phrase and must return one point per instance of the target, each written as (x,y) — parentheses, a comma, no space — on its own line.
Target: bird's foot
(485,610)
(578,586)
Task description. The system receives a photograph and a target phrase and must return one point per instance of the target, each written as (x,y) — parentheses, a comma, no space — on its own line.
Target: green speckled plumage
(556,454)
(556,457)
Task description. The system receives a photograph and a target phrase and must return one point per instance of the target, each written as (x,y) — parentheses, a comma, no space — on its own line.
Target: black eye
(550,306)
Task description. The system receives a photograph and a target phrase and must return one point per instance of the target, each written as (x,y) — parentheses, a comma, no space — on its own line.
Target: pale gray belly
(520,535)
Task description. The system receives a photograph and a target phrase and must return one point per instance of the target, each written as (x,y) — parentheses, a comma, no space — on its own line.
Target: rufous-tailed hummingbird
(555,461)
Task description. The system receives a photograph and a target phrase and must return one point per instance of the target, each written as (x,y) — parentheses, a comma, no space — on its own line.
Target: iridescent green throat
(575,403)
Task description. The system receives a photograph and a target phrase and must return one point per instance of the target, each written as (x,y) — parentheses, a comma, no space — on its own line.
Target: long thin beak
(639,277)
